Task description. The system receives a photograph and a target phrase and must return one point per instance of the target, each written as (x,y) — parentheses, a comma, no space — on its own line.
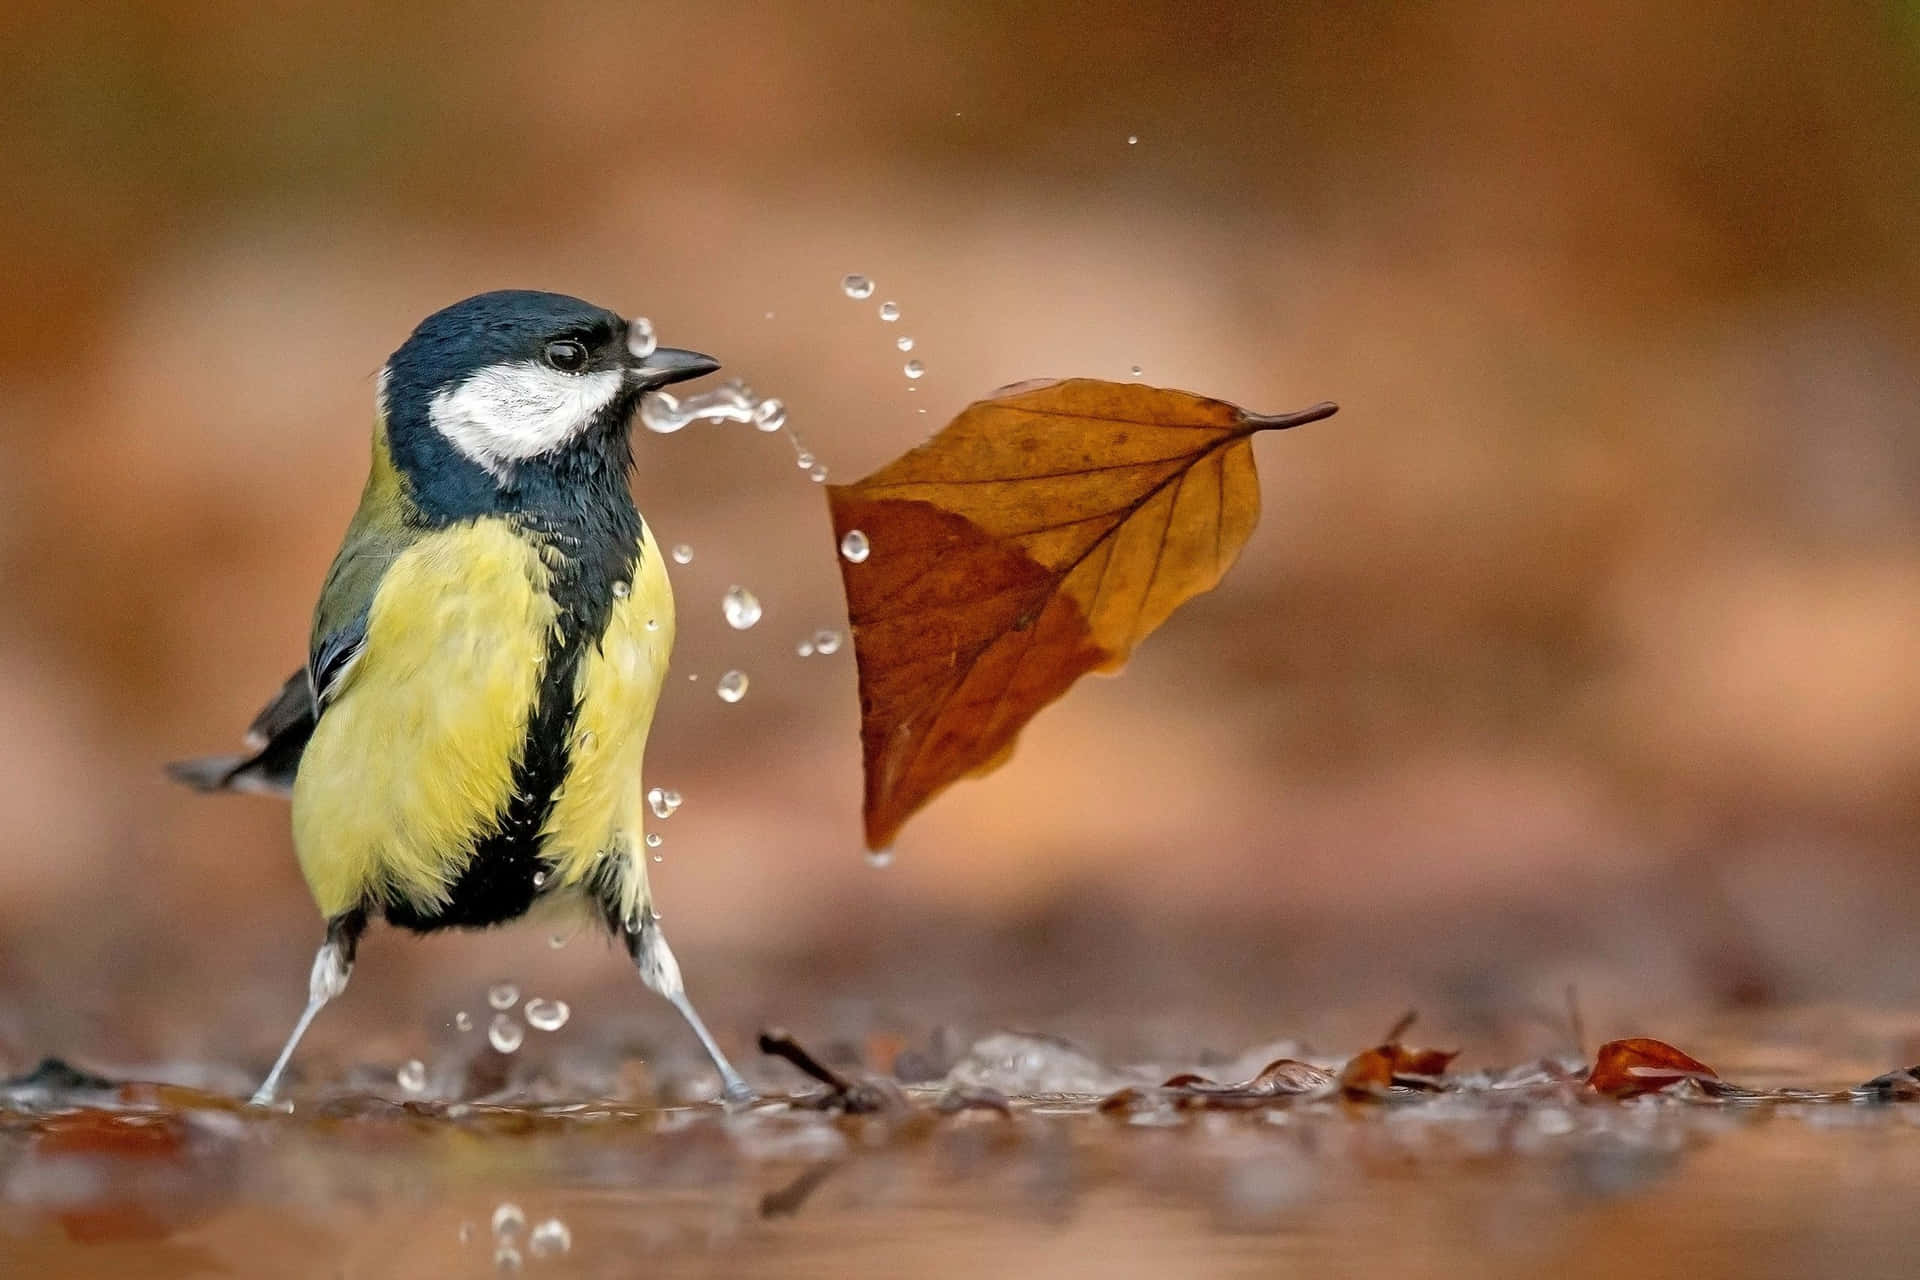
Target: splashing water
(826,641)
(889,311)
(854,546)
(1135,370)
(508,1220)
(505,1034)
(547,1015)
(503,995)
(412,1076)
(804,648)
(663,413)
(654,839)
(663,803)
(550,1239)
(770,415)
(732,686)
(682,554)
(856,286)
(905,344)
(641,341)
(462,1021)
(914,369)
(1133,139)
(506,1259)
(741,607)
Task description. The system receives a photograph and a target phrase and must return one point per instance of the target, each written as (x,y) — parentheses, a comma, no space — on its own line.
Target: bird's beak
(668,365)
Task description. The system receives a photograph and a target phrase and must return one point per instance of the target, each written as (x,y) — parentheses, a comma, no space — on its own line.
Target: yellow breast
(416,754)
(600,810)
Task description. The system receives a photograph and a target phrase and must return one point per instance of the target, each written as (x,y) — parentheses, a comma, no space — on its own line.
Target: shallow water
(1515,1175)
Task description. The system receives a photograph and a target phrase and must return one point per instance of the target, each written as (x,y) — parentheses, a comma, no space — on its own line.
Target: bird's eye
(567,355)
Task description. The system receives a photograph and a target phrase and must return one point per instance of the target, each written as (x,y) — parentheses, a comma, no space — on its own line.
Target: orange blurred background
(1581,647)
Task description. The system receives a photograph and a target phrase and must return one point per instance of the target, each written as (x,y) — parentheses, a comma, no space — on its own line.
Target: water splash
(889,311)
(826,641)
(641,341)
(856,286)
(732,686)
(412,1076)
(854,547)
(547,1015)
(904,343)
(914,369)
(503,995)
(741,607)
(682,554)
(505,1034)
(550,1239)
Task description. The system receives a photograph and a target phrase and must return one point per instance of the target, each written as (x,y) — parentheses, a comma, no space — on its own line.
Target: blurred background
(1580,648)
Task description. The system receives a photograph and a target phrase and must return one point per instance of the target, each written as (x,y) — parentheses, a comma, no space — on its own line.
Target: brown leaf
(1624,1068)
(1042,535)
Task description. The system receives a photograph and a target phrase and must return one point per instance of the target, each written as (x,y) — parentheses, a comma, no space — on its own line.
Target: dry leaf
(1042,535)
(1624,1068)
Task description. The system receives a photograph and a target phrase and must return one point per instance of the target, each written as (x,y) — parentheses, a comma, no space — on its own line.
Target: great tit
(465,740)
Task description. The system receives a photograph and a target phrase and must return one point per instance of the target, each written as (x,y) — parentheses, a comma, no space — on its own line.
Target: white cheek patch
(507,413)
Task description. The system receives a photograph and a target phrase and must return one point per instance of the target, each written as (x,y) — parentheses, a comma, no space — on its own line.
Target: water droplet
(826,640)
(505,1034)
(804,648)
(880,858)
(889,311)
(660,413)
(732,686)
(641,342)
(741,607)
(654,840)
(673,800)
(621,590)
(803,459)
(818,475)
(463,1021)
(657,801)
(905,344)
(506,1258)
(547,1015)
(914,369)
(682,553)
(508,1220)
(854,546)
(549,1239)
(539,879)
(856,286)
(557,941)
(659,857)
(588,741)
(503,995)
(1135,370)
(770,415)
(412,1076)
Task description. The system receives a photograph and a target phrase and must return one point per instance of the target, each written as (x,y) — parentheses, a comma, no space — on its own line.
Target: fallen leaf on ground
(1625,1068)
(1042,535)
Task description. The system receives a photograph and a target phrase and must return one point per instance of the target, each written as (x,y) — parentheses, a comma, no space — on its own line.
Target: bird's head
(515,382)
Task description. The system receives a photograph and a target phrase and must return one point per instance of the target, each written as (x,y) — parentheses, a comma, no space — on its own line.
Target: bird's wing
(278,735)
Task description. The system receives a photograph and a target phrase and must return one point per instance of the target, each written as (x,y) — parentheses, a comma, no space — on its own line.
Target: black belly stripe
(497,882)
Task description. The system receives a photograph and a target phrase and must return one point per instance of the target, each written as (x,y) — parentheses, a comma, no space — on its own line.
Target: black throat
(577,511)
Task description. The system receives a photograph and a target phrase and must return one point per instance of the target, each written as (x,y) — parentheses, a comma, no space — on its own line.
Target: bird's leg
(661,972)
(332,966)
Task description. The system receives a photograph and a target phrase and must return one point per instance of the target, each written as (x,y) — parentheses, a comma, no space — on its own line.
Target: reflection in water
(1485,1177)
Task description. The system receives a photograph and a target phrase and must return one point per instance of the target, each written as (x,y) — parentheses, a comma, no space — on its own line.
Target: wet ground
(994,1167)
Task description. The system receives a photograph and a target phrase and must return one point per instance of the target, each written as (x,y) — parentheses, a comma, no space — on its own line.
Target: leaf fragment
(1628,1068)
(1042,535)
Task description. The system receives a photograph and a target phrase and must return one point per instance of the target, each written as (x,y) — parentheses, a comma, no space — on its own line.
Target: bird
(466,738)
